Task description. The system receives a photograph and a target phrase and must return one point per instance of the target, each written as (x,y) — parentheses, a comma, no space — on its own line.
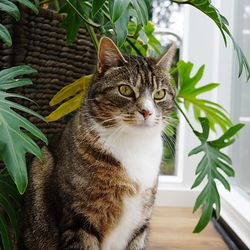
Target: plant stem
(134,47)
(86,20)
(186,118)
(93,36)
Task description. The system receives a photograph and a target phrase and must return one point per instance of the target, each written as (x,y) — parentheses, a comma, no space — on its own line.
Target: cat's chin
(143,128)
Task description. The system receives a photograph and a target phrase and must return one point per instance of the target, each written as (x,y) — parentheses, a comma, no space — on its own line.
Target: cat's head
(132,92)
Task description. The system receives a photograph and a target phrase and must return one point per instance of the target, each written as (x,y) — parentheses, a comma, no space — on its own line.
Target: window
(241,106)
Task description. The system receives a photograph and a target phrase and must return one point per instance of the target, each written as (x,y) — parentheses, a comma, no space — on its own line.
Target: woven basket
(39,41)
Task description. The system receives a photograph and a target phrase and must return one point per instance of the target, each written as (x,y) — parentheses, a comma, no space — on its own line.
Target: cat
(96,188)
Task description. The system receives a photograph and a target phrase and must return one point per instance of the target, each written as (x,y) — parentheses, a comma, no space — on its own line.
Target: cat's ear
(108,55)
(167,57)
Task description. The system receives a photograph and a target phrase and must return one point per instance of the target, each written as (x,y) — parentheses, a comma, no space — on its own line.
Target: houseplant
(126,22)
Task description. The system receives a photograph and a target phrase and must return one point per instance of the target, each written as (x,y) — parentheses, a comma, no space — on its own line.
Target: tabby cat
(96,187)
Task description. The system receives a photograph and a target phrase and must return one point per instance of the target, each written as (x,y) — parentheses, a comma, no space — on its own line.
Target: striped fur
(97,185)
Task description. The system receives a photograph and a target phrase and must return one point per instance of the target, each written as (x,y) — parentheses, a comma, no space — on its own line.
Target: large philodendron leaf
(5,35)
(214,165)
(189,92)
(15,130)
(11,9)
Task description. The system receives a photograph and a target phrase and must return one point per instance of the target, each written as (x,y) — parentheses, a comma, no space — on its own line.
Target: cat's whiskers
(172,147)
(169,127)
(157,120)
(89,99)
(111,139)
(169,140)
(109,120)
(170,121)
(170,143)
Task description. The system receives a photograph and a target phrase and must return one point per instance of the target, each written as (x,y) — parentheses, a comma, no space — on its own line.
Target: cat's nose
(145,113)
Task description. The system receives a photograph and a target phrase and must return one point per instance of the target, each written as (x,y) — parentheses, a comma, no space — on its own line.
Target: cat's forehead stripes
(154,81)
(142,73)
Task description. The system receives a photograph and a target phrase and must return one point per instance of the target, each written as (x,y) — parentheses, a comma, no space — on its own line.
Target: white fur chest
(140,154)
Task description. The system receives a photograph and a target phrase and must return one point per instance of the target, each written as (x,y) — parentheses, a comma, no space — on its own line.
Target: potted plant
(127,23)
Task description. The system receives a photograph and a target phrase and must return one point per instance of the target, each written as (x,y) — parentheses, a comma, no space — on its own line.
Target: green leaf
(224,140)
(205,217)
(15,83)
(10,8)
(29,5)
(142,10)
(10,73)
(138,47)
(201,175)
(14,129)
(148,3)
(6,204)
(132,28)
(72,22)
(224,167)
(243,63)
(5,35)
(196,150)
(10,204)
(117,8)
(7,185)
(121,28)
(97,5)
(206,88)
(201,198)
(189,92)
(5,234)
(213,165)
(151,39)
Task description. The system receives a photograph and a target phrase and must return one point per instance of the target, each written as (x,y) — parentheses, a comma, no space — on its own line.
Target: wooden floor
(171,229)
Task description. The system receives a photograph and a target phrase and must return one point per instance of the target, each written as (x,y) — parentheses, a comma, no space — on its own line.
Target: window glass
(241,149)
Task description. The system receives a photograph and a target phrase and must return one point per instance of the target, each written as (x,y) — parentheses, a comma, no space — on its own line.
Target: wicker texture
(39,41)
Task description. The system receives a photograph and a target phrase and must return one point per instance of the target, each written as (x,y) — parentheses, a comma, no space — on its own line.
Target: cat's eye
(126,90)
(160,94)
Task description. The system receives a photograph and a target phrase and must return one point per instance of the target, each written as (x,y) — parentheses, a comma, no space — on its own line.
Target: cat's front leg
(78,240)
(140,239)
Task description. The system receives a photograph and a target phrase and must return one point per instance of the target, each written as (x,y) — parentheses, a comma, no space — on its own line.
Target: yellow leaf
(81,84)
(67,107)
